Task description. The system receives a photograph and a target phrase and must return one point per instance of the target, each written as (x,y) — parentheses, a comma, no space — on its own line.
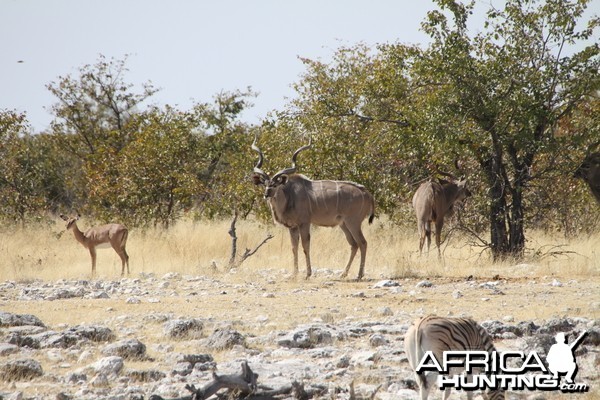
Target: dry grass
(194,247)
(191,248)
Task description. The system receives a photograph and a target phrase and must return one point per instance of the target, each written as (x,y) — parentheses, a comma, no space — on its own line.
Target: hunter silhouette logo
(560,357)
(507,370)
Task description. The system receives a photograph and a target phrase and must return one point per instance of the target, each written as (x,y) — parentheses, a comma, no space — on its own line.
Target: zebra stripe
(438,334)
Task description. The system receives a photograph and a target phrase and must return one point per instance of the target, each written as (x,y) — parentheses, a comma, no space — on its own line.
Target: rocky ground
(135,338)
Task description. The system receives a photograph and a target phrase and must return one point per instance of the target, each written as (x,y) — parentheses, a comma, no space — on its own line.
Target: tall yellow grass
(197,247)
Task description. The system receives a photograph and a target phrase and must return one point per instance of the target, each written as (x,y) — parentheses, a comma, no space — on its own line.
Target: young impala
(110,235)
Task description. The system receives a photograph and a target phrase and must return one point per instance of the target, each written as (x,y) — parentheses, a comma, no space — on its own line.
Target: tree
(92,126)
(505,91)
(96,107)
(357,111)
(155,177)
(21,166)
(226,154)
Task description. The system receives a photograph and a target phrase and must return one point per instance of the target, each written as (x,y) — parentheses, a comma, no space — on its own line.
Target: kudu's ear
(281,179)
(257,179)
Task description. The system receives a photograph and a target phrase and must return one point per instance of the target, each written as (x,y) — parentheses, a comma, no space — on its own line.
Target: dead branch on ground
(245,385)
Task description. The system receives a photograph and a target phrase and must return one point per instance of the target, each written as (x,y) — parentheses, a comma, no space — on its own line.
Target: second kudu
(296,202)
(432,201)
(589,171)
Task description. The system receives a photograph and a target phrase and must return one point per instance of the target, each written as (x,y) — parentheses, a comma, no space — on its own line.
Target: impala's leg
(353,248)
(295,236)
(124,259)
(123,243)
(305,236)
(358,236)
(93,255)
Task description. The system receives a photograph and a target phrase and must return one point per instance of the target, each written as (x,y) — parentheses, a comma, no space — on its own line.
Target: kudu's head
(462,191)
(279,179)
(589,171)
(70,220)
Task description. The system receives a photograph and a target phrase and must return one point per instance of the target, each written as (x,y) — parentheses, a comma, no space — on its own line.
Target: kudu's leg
(93,255)
(428,235)
(295,237)
(422,234)
(438,236)
(305,236)
(359,238)
(126,260)
(353,248)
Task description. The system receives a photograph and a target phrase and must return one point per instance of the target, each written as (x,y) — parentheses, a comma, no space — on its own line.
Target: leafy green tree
(92,125)
(225,151)
(504,91)
(154,178)
(21,186)
(356,109)
(96,107)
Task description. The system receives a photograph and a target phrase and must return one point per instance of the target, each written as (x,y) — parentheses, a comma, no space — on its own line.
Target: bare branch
(249,253)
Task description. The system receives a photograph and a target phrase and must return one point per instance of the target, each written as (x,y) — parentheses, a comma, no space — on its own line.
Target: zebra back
(439,334)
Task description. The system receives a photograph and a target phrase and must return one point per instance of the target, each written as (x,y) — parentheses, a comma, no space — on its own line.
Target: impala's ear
(64,217)
(257,179)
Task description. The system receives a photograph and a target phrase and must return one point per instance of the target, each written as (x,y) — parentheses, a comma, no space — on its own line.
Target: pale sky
(191,50)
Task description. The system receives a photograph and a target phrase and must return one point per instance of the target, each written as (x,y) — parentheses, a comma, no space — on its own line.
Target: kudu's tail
(372,216)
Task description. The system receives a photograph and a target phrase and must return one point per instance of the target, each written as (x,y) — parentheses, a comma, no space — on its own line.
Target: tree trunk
(498,215)
(517,224)
(507,224)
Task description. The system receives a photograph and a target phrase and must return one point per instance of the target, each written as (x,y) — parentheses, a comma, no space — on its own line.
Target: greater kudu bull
(589,171)
(432,201)
(296,202)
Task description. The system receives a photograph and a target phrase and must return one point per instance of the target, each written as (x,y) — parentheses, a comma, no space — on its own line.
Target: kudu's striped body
(296,202)
(432,201)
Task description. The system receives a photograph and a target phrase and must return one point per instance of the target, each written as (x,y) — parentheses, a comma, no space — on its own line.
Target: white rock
(386,283)
(133,300)
(424,283)
(108,365)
